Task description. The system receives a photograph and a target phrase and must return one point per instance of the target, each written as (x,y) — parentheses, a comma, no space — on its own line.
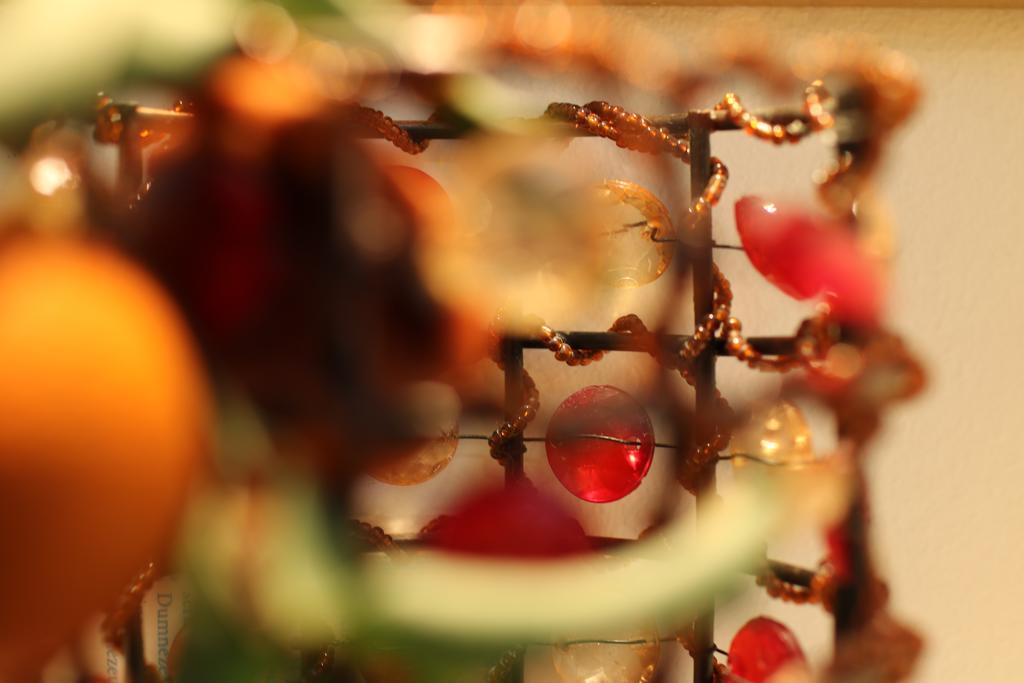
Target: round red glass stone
(600,443)
(762,648)
(807,255)
(516,521)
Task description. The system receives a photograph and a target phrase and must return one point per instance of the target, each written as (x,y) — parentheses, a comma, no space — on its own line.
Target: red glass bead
(806,255)
(425,196)
(776,242)
(762,648)
(850,281)
(516,521)
(600,470)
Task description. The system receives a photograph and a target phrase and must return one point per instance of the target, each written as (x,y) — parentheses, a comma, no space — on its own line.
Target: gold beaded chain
(501,443)
(374,537)
(817,105)
(556,343)
(821,590)
(383,124)
(632,131)
(510,660)
(115,624)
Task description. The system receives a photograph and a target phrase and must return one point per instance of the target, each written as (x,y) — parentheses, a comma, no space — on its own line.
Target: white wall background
(946,478)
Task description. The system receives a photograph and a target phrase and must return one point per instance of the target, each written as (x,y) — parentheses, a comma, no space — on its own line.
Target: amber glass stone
(762,648)
(432,409)
(600,443)
(777,434)
(638,231)
(633,660)
(418,465)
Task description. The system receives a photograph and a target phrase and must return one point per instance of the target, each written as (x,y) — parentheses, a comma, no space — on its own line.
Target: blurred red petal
(513,522)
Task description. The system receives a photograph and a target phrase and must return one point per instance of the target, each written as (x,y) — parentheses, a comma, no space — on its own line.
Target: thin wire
(754,458)
(602,437)
(602,641)
(714,245)
(668,240)
(637,442)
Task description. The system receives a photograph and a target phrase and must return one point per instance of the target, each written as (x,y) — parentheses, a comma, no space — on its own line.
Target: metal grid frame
(697,252)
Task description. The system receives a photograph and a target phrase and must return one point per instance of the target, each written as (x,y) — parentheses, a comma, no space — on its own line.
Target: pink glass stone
(850,281)
(600,470)
(806,255)
(777,242)
(516,521)
(762,648)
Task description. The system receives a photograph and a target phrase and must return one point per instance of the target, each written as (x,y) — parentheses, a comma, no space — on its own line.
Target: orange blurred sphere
(105,418)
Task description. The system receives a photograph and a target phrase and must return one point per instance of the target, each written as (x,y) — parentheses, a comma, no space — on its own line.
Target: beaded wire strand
(817,107)
(129,602)
(384,125)
(821,590)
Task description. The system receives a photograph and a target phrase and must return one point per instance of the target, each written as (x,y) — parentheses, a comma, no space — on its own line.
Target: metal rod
(701,124)
(849,610)
(512,359)
(617,341)
(677,124)
(134,659)
(850,606)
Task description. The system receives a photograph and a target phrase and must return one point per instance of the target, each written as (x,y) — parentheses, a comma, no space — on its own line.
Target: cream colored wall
(946,477)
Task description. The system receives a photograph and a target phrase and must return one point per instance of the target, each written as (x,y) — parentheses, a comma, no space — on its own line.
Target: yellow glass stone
(776,434)
(418,465)
(622,662)
(522,236)
(638,234)
(433,411)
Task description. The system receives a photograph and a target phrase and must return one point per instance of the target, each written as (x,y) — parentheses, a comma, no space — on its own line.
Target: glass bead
(609,662)
(806,255)
(638,233)
(419,465)
(433,409)
(778,242)
(515,521)
(600,443)
(523,237)
(777,434)
(762,648)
